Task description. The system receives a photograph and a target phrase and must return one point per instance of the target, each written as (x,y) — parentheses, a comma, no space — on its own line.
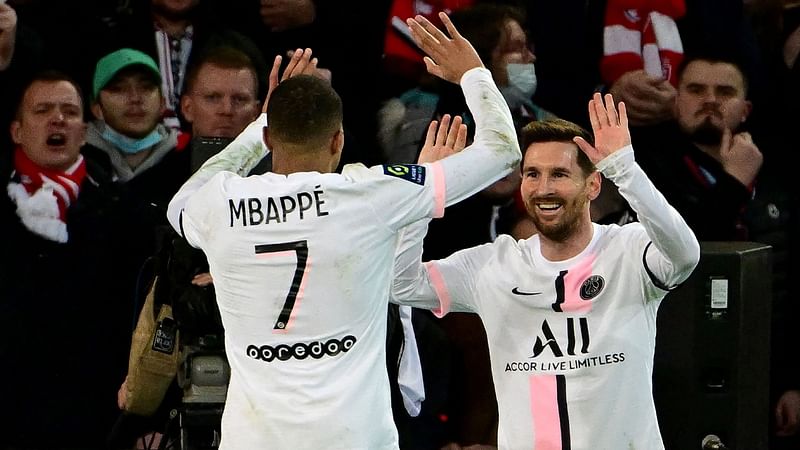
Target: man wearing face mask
(128,137)
(502,43)
(521,87)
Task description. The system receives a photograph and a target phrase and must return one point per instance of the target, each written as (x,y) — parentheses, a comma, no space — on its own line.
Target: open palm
(610,128)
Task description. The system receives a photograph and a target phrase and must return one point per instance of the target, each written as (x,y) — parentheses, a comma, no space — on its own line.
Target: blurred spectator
(127,136)
(67,278)
(703,161)
(169,31)
(727,188)
(221,99)
(570,46)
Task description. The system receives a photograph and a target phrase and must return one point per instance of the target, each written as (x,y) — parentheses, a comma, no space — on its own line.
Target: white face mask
(521,84)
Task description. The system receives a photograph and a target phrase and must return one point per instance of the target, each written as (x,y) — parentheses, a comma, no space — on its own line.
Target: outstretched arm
(677,251)
(241,155)
(495,150)
(412,284)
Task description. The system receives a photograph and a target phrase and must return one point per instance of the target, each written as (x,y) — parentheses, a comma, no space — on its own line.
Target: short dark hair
(47,76)
(304,111)
(557,130)
(224,56)
(714,58)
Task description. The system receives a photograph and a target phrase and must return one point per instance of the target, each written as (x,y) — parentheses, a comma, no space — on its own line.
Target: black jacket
(66,316)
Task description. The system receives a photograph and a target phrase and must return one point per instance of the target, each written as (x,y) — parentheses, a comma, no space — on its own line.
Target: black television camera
(203,372)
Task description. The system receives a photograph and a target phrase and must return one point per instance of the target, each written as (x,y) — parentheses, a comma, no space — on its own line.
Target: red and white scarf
(642,34)
(43,195)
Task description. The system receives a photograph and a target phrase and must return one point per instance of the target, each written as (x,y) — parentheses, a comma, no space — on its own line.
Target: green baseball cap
(111,64)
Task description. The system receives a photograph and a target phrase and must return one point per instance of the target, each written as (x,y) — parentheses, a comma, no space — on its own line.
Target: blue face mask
(128,145)
(521,84)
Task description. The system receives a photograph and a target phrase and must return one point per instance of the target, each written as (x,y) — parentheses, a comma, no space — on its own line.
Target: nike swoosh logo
(518,292)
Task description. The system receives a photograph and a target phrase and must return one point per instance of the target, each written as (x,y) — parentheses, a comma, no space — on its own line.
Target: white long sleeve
(678,250)
(496,138)
(495,149)
(240,156)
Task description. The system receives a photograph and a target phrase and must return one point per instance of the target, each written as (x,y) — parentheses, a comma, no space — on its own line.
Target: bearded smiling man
(570,312)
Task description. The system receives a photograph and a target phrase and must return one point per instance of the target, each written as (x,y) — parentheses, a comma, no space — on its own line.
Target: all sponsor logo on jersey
(408,172)
(573,354)
(301,350)
(548,340)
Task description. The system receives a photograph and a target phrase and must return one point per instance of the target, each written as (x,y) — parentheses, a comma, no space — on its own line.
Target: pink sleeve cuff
(437,282)
(439,189)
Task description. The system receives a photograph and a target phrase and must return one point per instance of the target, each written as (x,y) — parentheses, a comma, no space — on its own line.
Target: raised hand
(300,63)
(739,156)
(649,100)
(322,74)
(610,128)
(448,57)
(443,139)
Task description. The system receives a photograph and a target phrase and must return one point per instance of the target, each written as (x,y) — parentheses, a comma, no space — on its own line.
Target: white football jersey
(301,272)
(571,342)
(302,266)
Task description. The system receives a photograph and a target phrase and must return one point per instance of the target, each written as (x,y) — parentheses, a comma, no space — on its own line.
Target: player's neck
(570,247)
(284,163)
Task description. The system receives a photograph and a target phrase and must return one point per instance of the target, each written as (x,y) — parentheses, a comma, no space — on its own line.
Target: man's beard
(707,133)
(565,227)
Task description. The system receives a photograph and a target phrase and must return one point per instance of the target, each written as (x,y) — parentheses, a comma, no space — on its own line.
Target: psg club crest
(592,286)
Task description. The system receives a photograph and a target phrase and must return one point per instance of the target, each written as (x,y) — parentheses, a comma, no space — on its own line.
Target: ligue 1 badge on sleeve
(409,172)
(164,337)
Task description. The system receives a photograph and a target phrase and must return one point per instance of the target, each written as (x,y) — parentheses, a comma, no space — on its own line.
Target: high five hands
(448,57)
(301,63)
(609,126)
(443,139)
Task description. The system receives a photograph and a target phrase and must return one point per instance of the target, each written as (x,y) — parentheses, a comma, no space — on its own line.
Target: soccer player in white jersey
(302,258)
(570,313)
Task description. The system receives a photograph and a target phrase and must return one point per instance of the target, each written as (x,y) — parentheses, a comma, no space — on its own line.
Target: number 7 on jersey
(301,249)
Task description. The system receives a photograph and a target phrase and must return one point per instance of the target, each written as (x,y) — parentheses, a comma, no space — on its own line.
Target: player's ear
(593,184)
(337,143)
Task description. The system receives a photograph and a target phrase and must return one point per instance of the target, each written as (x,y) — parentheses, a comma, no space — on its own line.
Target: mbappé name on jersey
(257,211)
